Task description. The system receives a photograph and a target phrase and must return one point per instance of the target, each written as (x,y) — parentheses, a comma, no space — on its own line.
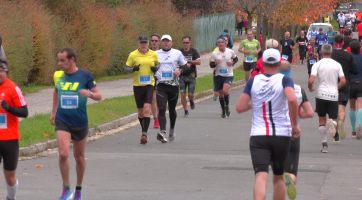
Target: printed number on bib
(249,59)
(312,62)
(3,121)
(144,80)
(285,57)
(341,25)
(167,76)
(321,42)
(223,71)
(69,101)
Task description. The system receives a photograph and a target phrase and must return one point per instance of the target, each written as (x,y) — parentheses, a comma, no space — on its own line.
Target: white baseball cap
(166,37)
(271,56)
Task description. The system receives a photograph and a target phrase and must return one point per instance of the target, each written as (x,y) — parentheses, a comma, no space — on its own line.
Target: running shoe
(228,113)
(223,115)
(78,195)
(192,104)
(214,98)
(358,133)
(67,194)
(331,128)
(172,135)
(144,138)
(353,134)
(186,113)
(291,190)
(157,124)
(341,131)
(7,198)
(325,147)
(162,137)
(336,138)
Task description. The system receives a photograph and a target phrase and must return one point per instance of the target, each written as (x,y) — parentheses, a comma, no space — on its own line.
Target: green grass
(34,88)
(112,78)
(335,25)
(38,129)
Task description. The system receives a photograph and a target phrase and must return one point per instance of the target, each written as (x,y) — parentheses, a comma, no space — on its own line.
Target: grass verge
(38,129)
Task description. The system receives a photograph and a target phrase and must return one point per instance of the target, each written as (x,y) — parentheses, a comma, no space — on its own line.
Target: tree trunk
(250,21)
(299,29)
(265,31)
(270,30)
(292,33)
(281,33)
(275,31)
(258,27)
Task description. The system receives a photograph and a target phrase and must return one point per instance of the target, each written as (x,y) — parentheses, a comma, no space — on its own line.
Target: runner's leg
(63,140)
(9,152)
(79,156)
(172,103)
(352,115)
(162,103)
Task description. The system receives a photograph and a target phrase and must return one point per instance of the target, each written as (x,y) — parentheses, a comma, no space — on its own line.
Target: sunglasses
(154,40)
(186,42)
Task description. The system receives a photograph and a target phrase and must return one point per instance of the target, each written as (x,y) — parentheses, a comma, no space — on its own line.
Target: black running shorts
(77,133)
(221,80)
(325,107)
(291,165)
(269,150)
(355,88)
(249,66)
(9,153)
(187,82)
(343,94)
(143,94)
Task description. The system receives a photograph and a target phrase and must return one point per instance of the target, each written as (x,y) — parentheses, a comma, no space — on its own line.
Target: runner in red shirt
(13,105)
(359,29)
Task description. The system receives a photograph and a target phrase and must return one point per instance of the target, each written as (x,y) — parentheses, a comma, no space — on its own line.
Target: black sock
(78,187)
(66,186)
(146,124)
(226,97)
(155,118)
(141,121)
(222,103)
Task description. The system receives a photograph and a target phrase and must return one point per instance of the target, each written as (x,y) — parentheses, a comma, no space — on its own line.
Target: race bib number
(188,57)
(312,62)
(320,42)
(166,76)
(285,57)
(249,59)
(69,101)
(3,121)
(223,71)
(144,80)
(341,25)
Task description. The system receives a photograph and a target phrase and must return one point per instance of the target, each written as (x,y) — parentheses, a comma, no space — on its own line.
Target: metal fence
(208,29)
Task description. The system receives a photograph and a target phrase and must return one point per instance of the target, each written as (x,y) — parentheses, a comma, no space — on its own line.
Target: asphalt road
(209,159)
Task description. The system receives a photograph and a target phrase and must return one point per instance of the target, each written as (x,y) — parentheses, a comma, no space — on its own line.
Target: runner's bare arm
(307,111)
(341,82)
(55,106)
(292,104)
(311,81)
(243,104)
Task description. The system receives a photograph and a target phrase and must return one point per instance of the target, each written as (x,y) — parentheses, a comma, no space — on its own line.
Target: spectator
(240,27)
(246,25)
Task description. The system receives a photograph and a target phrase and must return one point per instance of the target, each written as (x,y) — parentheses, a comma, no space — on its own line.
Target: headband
(221,40)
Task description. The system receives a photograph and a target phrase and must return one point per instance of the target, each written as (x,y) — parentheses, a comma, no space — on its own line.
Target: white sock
(335,124)
(12,190)
(322,132)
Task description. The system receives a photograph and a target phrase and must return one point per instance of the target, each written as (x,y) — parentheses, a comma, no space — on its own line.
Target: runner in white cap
(275,106)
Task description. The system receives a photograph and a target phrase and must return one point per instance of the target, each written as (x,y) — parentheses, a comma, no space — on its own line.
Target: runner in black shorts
(144,63)
(355,95)
(328,71)
(349,66)
(188,77)
(270,134)
(292,162)
(12,106)
(155,44)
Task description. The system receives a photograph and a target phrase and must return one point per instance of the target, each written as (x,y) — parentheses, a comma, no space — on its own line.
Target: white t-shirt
(328,71)
(223,69)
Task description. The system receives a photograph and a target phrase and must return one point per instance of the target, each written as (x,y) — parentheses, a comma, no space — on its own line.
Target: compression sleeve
(212,64)
(128,69)
(19,112)
(235,60)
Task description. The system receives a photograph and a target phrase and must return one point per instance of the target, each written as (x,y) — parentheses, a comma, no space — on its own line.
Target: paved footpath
(42,101)
(209,159)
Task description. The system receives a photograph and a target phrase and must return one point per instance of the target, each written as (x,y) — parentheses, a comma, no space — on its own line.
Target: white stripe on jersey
(21,96)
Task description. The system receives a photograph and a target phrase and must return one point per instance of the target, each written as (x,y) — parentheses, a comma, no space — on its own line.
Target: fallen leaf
(39,166)
(91,184)
(25,174)
(46,134)
(208,159)
(49,149)
(198,189)
(360,189)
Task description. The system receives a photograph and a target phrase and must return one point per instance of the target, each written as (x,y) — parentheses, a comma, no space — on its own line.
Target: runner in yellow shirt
(143,63)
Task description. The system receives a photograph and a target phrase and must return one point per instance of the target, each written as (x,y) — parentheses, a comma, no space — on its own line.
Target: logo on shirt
(69,85)
(286,43)
(267,90)
(167,58)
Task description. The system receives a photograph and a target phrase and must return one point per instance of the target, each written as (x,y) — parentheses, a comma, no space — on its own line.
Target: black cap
(226,30)
(143,38)
(320,29)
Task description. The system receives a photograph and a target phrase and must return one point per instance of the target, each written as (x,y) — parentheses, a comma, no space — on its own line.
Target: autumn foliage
(33,31)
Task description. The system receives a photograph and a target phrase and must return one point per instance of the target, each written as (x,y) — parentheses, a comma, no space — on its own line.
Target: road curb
(51,144)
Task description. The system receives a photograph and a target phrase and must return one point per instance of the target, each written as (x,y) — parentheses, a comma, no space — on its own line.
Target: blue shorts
(219,82)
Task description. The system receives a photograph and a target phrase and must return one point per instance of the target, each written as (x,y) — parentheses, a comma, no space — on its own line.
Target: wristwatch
(91,93)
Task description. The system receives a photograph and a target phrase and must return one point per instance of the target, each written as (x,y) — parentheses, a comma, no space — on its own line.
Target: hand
(4,104)
(136,68)
(85,93)
(230,63)
(52,119)
(246,52)
(154,69)
(311,90)
(296,131)
(255,53)
(291,46)
(177,73)
(217,62)
(188,65)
